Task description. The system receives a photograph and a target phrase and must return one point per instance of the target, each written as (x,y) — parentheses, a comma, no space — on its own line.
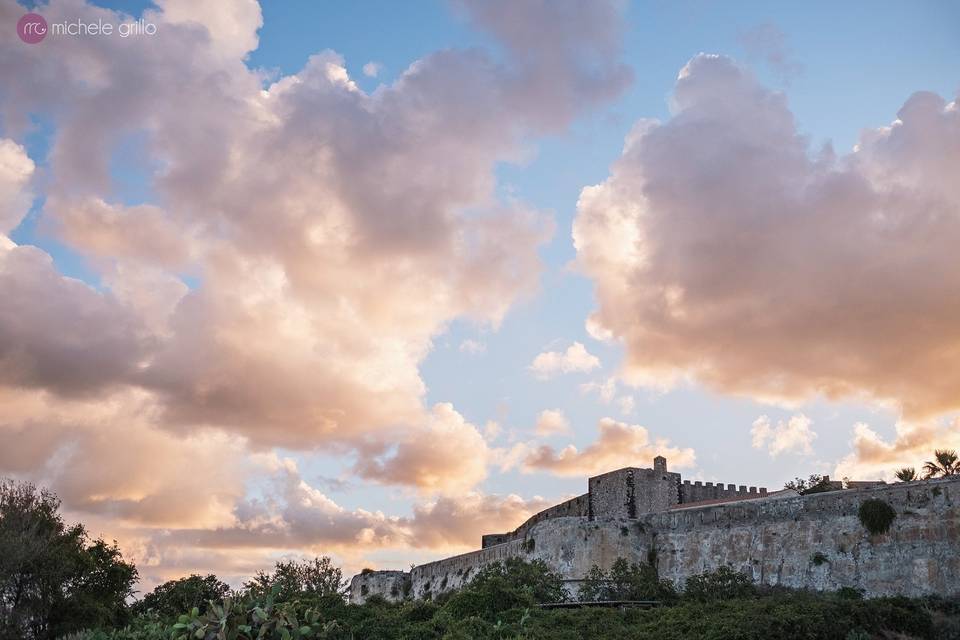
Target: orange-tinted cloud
(329,236)
(873,457)
(618,445)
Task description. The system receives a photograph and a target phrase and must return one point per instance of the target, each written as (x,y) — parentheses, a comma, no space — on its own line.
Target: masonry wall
(574,507)
(776,541)
(392,585)
(773,540)
(627,493)
(569,545)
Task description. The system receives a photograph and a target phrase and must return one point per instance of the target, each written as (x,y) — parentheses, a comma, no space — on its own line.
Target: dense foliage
(292,579)
(513,584)
(763,616)
(816,483)
(53,578)
(876,516)
(54,582)
(945,463)
(722,584)
(172,598)
(626,582)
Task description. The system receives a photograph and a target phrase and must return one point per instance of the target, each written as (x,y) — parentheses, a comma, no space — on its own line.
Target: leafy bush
(815,484)
(722,584)
(818,559)
(502,586)
(317,577)
(173,597)
(626,582)
(780,614)
(876,516)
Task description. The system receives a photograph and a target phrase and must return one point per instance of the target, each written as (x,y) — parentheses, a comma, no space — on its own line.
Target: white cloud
(552,422)
(575,359)
(16,169)
(372,69)
(332,236)
(725,251)
(448,455)
(794,435)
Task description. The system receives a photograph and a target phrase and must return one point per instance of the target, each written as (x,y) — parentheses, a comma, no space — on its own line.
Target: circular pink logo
(32,28)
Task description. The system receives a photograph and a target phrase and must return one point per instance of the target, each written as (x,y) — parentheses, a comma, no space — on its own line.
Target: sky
(371,279)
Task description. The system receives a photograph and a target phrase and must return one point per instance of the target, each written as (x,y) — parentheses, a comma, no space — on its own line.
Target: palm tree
(944,464)
(906,474)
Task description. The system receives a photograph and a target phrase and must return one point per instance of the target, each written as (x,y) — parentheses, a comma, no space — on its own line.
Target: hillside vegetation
(56,583)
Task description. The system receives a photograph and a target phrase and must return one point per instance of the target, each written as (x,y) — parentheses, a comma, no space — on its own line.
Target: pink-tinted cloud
(724,250)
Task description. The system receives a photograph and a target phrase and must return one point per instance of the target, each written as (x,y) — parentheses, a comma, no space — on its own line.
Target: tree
(176,597)
(945,463)
(513,584)
(722,584)
(53,578)
(815,484)
(317,577)
(906,474)
(626,581)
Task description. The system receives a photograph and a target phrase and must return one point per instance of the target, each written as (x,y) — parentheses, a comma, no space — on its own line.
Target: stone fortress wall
(780,538)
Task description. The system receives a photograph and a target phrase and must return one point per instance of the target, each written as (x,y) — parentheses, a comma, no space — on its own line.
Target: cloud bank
(302,245)
(724,250)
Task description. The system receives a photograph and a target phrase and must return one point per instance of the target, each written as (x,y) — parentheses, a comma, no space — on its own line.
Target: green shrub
(501,586)
(722,584)
(626,581)
(818,559)
(173,597)
(876,516)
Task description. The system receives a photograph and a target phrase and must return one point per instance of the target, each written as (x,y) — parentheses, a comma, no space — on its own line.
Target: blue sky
(845,84)
(843,67)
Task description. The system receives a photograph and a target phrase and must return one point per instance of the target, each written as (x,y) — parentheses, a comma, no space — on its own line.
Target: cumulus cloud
(566,53)
(142,233)
(552,422)
(458,521)
(575,359)
(793,435)
(16,169)
(618,445)
(372,69)
(874,458)
(448,455)
(724,250)
(107,457)
(299,515)
(330,235)
(60,334)
(336,232)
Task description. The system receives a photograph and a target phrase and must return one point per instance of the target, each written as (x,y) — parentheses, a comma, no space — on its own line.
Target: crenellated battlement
(629,493)
(691,527)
